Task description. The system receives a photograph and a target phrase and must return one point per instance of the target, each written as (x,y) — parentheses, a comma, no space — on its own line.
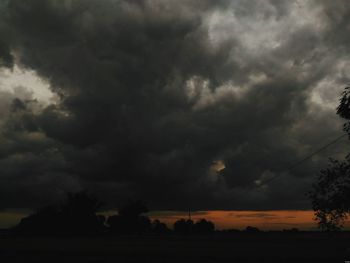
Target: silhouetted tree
(79,213)
(203,227)
(343,110)
(45,221)
(183,226)
(130,219)
(330,195)
(76,216)
(159,227)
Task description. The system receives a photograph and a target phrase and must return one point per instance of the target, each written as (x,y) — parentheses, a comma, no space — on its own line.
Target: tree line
(78,216)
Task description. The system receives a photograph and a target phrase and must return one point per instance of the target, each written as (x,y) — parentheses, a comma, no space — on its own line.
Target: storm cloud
(180,103)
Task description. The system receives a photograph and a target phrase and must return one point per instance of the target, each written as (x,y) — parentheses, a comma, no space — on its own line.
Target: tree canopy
(330,195)
(75,216)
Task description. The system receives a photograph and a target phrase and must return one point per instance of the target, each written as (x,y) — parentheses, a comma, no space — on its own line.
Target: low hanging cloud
(180,103)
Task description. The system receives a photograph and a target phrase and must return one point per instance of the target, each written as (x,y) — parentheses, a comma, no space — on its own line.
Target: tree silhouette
(130,219)
(159,227)
(343,110)
(203,227)
(45,221)
(79,213)
(183,226)
(330,195)
(76,216)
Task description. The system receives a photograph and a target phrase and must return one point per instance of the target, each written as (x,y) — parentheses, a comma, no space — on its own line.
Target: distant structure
(189,214)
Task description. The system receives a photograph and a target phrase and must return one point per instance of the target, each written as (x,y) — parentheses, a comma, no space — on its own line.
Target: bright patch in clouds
(12,80)
(264,30)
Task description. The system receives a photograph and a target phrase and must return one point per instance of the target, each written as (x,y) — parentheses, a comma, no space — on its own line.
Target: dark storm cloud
(6,58)
(153,92)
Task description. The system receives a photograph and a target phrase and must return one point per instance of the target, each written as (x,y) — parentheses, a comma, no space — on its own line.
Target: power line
(291,167)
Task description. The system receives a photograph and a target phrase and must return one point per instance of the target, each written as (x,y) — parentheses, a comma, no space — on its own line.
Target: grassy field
(240,247)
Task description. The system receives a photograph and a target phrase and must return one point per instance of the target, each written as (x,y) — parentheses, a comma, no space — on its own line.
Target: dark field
(240,247)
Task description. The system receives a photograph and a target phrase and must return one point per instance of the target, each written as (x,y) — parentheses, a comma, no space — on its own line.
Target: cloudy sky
(191,103)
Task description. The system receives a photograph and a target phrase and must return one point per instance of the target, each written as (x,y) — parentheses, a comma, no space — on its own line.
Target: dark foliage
(343,110)
(79,214)
(76,216)
(203,227)
(46,221)
(159,227)
(185,227)
(330,195)
(130,219)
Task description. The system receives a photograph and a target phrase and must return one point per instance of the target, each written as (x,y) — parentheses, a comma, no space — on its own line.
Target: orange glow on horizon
(264,220)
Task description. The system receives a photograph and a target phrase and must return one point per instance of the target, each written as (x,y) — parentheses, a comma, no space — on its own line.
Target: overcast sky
(188,103)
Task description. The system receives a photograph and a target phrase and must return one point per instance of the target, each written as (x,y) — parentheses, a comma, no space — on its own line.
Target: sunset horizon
(269,220)
(142,130)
